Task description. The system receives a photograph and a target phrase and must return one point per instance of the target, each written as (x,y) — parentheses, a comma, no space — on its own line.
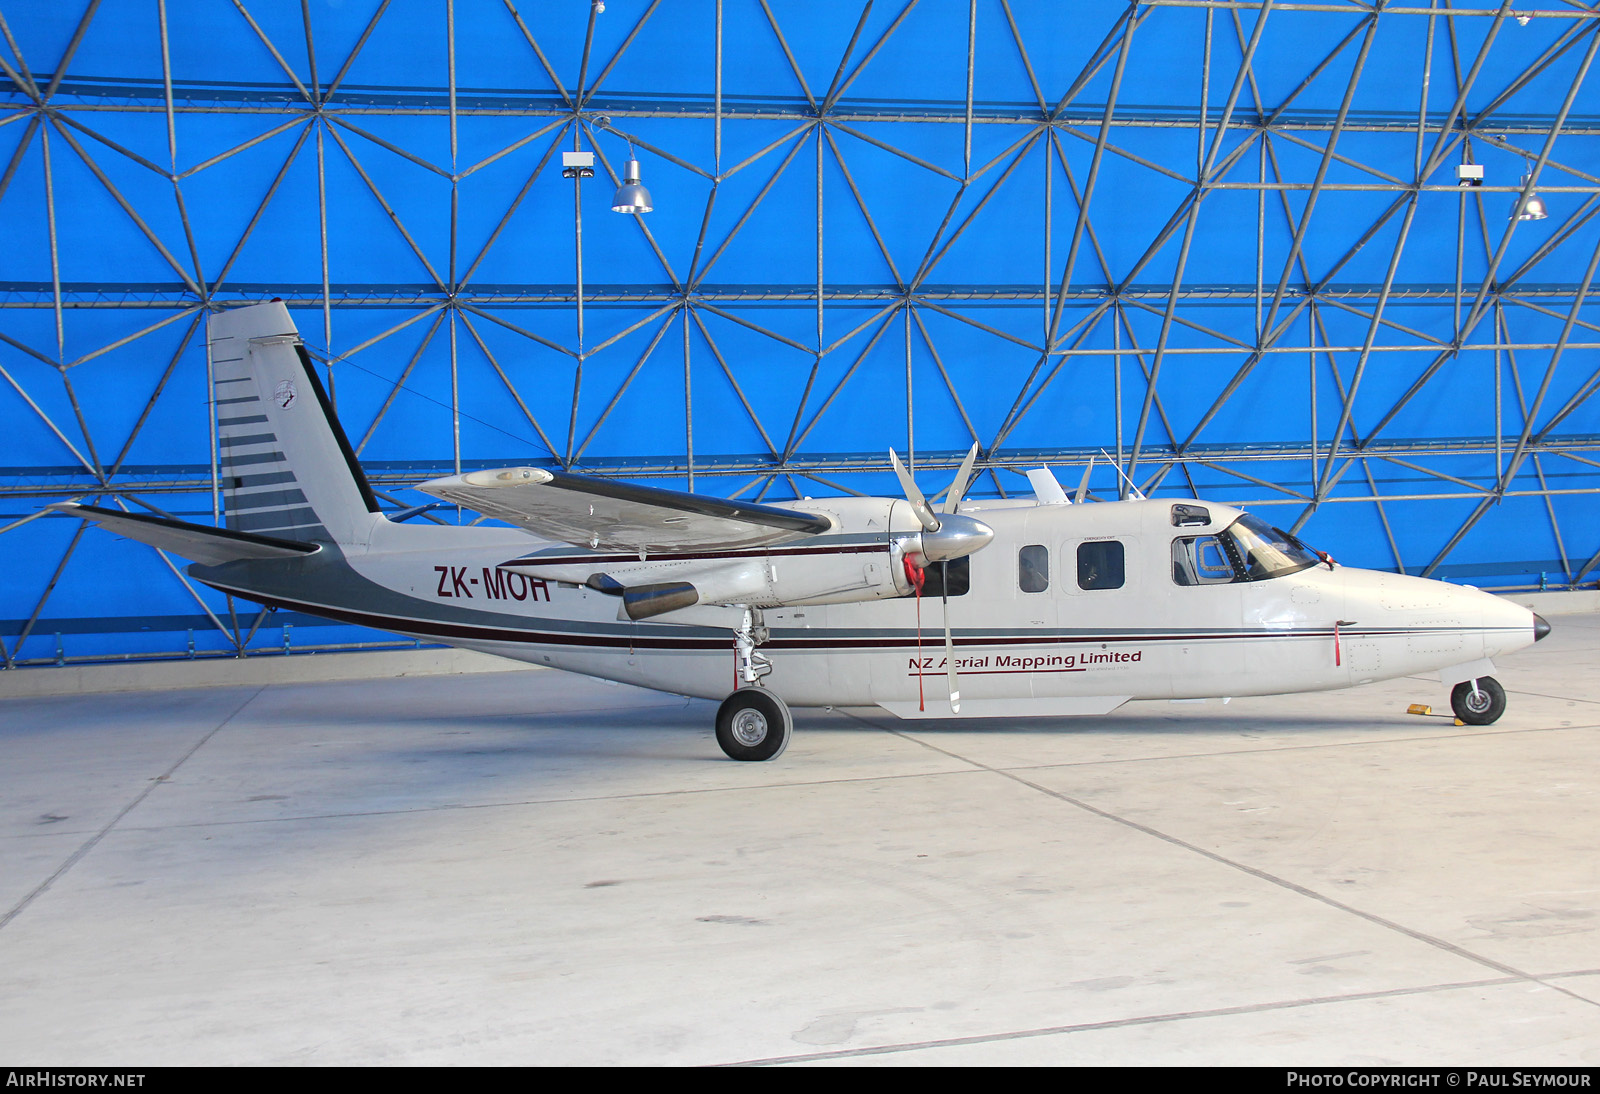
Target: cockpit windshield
(1266,551)
(1249,549)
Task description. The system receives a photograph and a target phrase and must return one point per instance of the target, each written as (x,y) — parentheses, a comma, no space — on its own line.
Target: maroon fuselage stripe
(528,636)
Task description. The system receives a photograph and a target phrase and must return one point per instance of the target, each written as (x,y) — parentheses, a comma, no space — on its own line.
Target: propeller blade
(1083,484)
(919,504)
(949,642)
(958,486)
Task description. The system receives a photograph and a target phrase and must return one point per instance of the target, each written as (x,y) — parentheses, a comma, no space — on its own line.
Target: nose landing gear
(1478,702)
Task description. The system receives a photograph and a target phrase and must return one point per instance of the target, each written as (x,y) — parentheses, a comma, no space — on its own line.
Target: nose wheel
(754,724)
(1478,702)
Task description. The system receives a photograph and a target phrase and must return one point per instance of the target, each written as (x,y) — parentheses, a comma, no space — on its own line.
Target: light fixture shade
(631,197)
(1530,207)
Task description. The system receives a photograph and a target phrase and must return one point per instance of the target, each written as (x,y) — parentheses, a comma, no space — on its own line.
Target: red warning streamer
(918,577)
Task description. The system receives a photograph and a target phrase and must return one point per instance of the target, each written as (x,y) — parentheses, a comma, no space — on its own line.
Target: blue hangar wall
(1223,243)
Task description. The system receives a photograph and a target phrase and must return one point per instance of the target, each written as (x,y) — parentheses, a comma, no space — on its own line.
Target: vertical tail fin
(287,468)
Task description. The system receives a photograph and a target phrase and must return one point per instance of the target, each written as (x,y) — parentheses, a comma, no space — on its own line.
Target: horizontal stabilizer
(603,514)
(195,542)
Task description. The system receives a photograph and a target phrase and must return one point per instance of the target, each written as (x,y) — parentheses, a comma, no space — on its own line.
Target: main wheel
(1480,707)
(754,724)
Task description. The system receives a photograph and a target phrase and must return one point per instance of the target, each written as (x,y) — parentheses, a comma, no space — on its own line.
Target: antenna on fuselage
(1138,495)
(1046,490)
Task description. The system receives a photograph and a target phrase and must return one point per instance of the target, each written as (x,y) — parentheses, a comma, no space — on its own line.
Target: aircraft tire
(754,724)
(1482,709)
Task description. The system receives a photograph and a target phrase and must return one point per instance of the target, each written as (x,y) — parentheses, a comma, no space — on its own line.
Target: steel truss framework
(1220,243)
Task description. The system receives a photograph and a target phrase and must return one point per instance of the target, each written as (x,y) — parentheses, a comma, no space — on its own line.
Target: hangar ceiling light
(632,197)
(1530,207)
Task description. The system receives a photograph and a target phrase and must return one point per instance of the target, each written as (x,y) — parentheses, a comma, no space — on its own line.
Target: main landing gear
(1478,702)
(753,723)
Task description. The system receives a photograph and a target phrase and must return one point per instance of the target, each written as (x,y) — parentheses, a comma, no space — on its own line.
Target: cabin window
(1033,568)
(1100,564)
(953,578)
(1201,560)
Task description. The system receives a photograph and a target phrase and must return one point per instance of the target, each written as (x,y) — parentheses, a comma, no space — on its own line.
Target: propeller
(1083,484)
(919,504)
(952,535)
(949,642)
(944,538)
(958,485)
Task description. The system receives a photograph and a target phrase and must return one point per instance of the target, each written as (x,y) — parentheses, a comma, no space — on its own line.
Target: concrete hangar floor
(528,867)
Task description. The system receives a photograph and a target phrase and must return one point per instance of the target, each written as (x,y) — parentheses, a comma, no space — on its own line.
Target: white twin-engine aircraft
(1049,606)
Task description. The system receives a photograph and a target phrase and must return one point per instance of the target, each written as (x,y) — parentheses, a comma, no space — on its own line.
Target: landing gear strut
(753,665)
(1478,702)
(753,723)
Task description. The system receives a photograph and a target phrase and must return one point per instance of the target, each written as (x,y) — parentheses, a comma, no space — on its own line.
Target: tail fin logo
(286,394)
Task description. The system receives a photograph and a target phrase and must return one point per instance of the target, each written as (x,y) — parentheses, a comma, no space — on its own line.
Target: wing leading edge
(603,514)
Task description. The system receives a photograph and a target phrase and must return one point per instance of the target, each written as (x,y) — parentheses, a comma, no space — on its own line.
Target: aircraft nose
(1540,627)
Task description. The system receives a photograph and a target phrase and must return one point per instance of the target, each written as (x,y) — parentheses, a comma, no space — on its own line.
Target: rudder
(286,467)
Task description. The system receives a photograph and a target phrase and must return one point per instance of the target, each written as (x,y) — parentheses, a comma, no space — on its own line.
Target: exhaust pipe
(645,601)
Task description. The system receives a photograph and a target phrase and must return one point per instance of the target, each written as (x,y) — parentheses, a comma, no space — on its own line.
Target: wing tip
(490,478)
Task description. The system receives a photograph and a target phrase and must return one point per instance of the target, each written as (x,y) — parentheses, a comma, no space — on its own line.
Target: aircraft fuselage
(1072,609)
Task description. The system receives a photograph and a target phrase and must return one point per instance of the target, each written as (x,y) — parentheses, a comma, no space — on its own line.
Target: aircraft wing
(197,542)
(603,514)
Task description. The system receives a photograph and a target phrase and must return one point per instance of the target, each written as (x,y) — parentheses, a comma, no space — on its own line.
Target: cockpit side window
(1201,560)
(1033,568)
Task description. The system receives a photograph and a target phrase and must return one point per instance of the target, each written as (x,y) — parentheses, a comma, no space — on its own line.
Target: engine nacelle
(767,581)
(813,577)
(864,560)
